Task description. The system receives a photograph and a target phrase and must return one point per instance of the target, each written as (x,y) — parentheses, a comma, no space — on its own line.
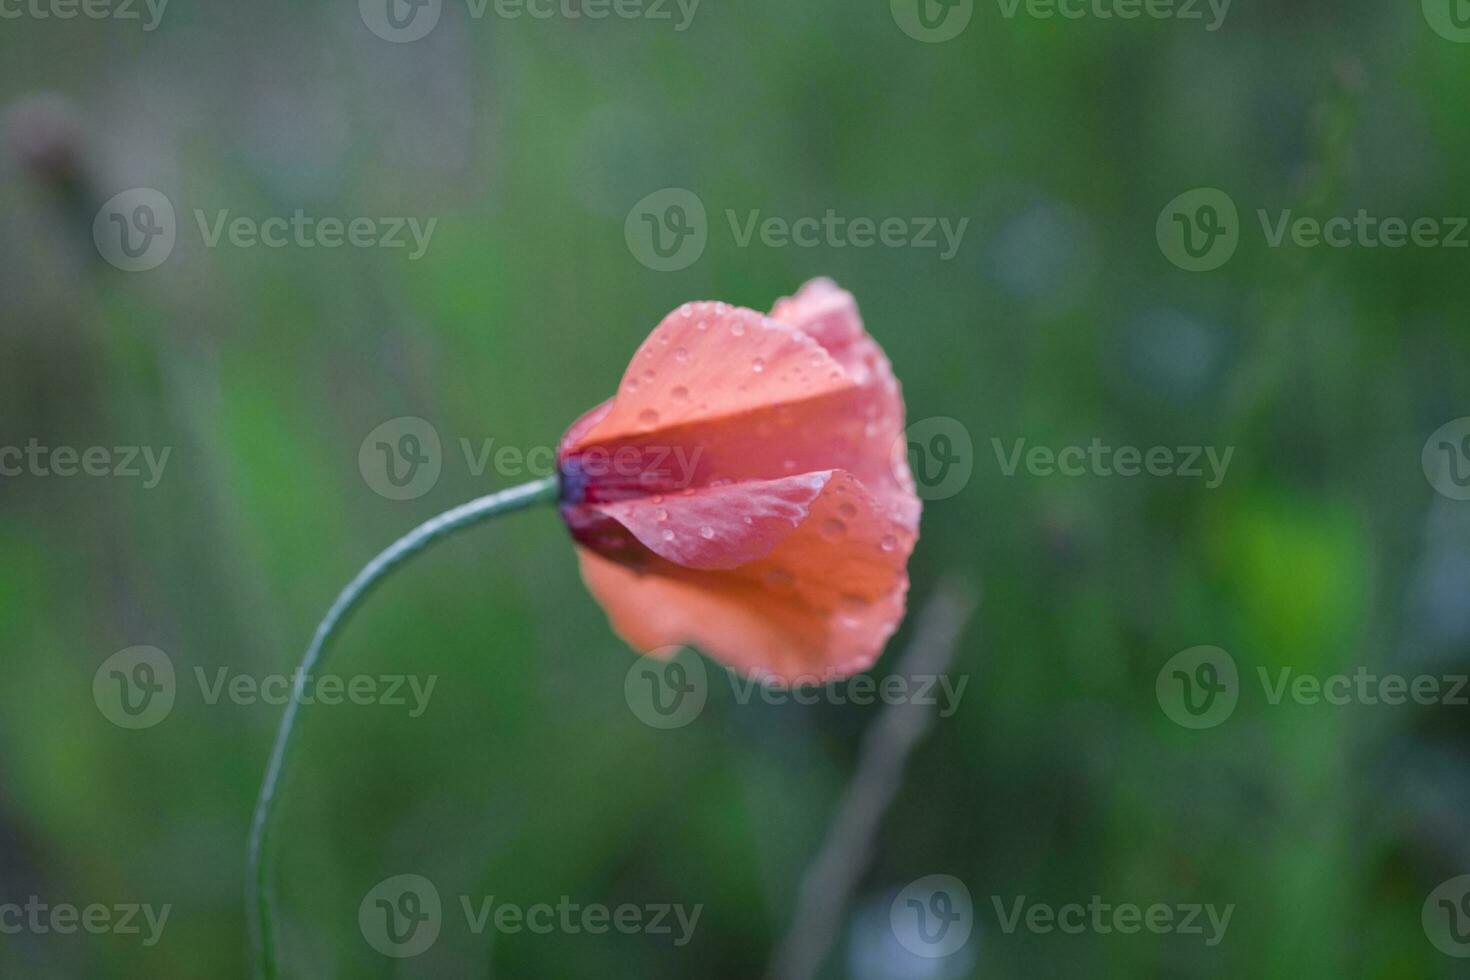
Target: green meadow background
(1059,320)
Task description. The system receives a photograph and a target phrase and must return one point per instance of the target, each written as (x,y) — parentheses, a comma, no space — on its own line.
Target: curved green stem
(261,905)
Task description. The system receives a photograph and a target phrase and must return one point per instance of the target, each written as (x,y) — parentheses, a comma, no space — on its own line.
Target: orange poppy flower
(747,490)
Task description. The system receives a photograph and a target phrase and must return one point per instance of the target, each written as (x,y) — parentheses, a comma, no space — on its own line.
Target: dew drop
(706,532)
(758,365)
(661,514)
(648,374)
(851,603)
(737,328)
(888,543)
(648,417)
(679,394)
(668,535)
(681,355)
(847,510)
(833,529)
(778,578)
(702,325)
(748,519)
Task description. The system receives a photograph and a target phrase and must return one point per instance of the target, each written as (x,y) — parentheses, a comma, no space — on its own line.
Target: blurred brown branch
(828,884)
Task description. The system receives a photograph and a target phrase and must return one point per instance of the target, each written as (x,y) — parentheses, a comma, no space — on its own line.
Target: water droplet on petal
(681,355)
(648,417)
(758,365)
(679,393)
(888,543)
(661,514)
(846,509)
(851,603)
(778,578)
(832,529)
(737,328)
(706,532)
(648,374)
(668,535)
(702,325)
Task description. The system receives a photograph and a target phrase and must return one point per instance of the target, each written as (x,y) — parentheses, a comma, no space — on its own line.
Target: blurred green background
(1059,320)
